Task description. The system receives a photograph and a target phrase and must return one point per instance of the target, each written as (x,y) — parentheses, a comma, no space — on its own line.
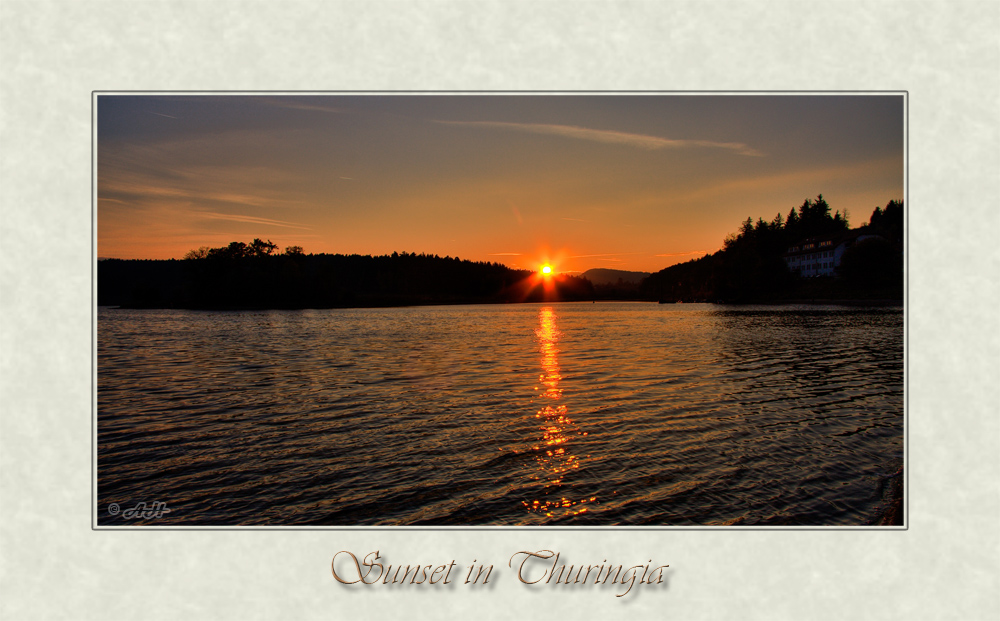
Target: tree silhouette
(200,253)
(260,248)
(241,275)
(888,222)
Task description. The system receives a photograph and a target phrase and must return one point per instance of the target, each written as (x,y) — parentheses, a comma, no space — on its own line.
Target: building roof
(824,243)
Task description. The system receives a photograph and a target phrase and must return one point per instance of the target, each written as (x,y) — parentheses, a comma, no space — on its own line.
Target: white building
(820,256)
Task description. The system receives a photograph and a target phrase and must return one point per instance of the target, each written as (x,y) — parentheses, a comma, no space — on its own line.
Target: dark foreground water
(570,414)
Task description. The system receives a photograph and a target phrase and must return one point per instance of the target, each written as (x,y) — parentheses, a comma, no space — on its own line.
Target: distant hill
(602,276)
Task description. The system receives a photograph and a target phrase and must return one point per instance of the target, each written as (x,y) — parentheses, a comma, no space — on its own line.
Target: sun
(546,269)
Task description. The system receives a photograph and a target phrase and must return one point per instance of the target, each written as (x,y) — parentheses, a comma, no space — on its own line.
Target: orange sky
(626,182)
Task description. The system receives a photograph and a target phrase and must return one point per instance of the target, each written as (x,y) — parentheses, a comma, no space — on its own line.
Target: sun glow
(546,269)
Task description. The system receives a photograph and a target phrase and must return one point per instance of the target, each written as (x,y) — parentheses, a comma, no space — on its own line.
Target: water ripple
(616,413)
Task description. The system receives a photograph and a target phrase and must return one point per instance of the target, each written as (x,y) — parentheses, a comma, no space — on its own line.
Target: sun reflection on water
(553,455)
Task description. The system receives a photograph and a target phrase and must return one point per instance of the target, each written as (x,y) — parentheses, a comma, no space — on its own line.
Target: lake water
(565,414)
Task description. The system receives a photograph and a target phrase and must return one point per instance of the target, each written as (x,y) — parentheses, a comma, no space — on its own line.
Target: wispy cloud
(141,177)
(161,114)
(681,254)
(289,104)
(253,220)
(640,141)
(505,254)
(608,254)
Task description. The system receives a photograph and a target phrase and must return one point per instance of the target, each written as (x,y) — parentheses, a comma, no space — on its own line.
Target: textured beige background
(54,54)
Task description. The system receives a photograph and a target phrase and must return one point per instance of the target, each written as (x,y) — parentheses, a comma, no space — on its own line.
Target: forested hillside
(750,267)
(253,275)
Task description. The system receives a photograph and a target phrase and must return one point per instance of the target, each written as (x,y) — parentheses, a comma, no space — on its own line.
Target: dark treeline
(254,276)
(751,265)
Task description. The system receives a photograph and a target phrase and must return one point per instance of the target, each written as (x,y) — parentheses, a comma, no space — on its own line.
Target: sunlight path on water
(554,454)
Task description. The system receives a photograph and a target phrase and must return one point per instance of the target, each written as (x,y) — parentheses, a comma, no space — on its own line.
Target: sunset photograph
(500,309)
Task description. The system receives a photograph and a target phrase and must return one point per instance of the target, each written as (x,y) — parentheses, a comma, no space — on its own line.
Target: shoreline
(876,303)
